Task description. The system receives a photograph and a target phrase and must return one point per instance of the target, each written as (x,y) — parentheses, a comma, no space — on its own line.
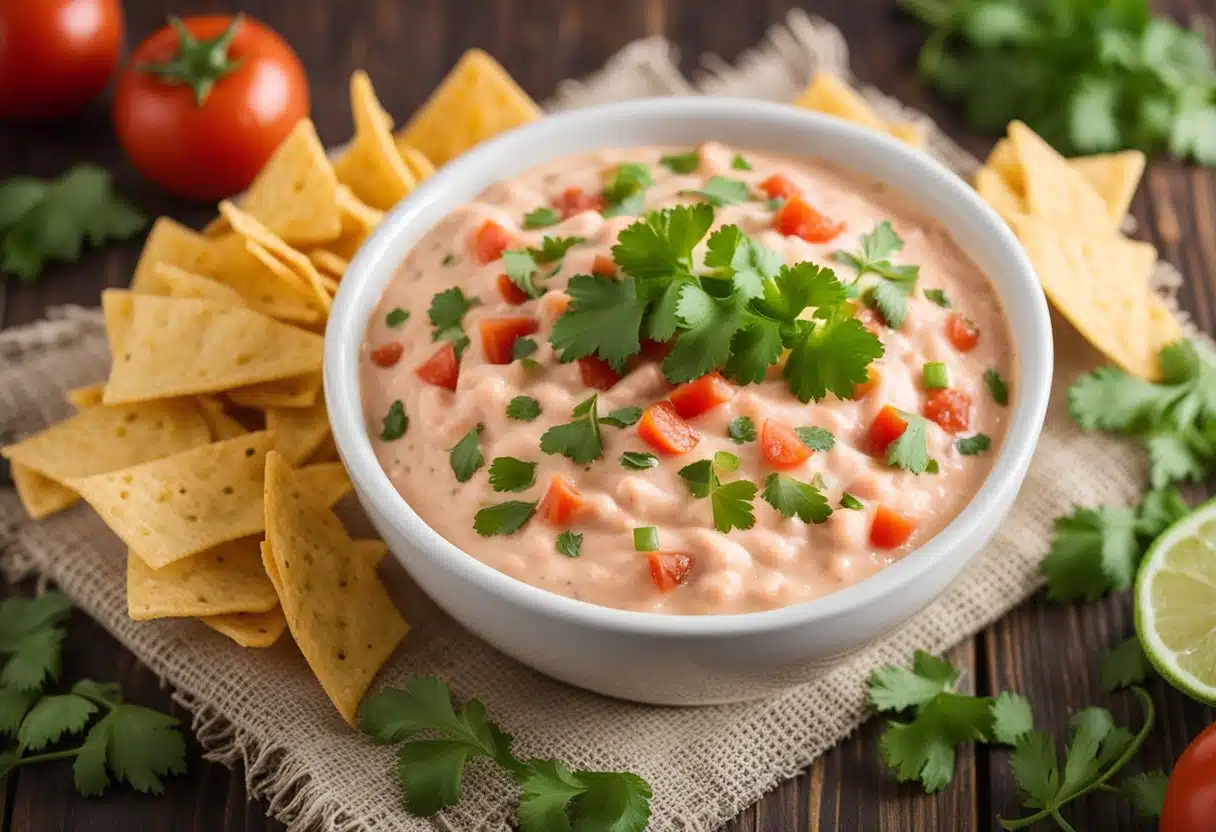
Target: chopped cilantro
(890,285)
(542,217)
(1093,551)
(793,497)
(972,445)
(996,386)
(850,502)
(522,264)
(579,439)
(447,316)
(395,422)
(741,429)
(510,474)
(603,318)
(910,451)
(937,296)
(569,544)
(622,417)
(523,408)
(1125,665)
(638,460)
(740,162)
(625,191)
(396,316)
(522,348)
(681,162)
(465,456)
(731,502)
(817,439)
(830,355)
(503,518)
(720,190)
(448,260)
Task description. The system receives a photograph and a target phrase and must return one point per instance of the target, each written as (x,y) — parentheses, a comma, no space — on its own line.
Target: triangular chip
(475,101)
(186,503)
(995,190)
(357,216)
(40,496)
(250,629)
(1004,160)
(1114,176)
(371,166)
(328,262)
(221,425)
(1054,191)
(912,133)
(118,308)
(254,232)
(324,482)
(371,550)
(297,391)
(87,396)
(182,347)
(299,431)
(326,452)
(270,288)
(173,282)
(337,610)
(420,167)
(101,439)
(170,242)
(830,94)
(295,194)
(228,578)
(1163,326)
(330,284)
(1100,284)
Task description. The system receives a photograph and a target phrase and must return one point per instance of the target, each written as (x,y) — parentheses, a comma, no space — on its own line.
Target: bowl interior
(747,125)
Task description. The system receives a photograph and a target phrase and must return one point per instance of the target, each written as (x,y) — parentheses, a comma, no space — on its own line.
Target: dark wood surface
(1048,651)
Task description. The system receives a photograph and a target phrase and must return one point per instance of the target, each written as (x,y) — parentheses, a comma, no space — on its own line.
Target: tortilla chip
(263,282)
(1114,176)
(250,629)
(271,568)
(330,284)
(170,242)
(226,579)
(337,610)
(419,166)
(298,431)
(912,133)
(298,391)
(183,504)
(325,482)
(1100,284)
(221,425)
(829,94)
(1004,160)
(254,232)
(995,190)
(357,215)
(101,439)
(475,101)
(295,195)
(328,262)
(1054,191)
(326,452)
(371,166)
(1163,327)
(118,307)
(40,496)
(87,396)
(371,550)
(178,347)
(173,282)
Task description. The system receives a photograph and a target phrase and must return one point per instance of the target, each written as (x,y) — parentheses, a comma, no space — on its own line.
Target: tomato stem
(199,64)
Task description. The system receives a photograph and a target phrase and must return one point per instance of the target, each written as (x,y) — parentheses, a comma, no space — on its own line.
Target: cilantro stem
(1058,818)
(64,754)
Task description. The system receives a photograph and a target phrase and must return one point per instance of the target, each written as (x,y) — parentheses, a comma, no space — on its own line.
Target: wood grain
(1048,651)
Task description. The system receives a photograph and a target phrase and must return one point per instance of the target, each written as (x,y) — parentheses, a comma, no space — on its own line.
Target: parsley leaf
(523,408)
(569,544)
(396,316)
(510,474)
(604,318)
(465,457)
(447,312)
(638,460)
(793,497)
(30,641)
(910,451)
(721,190)
(972,445)
(1125,665)
(395,422)
(740,162)
(937,296)
(53,718)
(681,162)
(542,217)
(1146,792)
(622,417)
(1093,551)
(579,439)
(624,193)
(503,518)
(731,503)
(850,502)
(997,387)
(817,439)
(741,429)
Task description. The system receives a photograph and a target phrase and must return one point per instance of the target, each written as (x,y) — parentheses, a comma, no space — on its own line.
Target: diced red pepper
(663,429)
(779,186)
(561,503)
(950,408)
(386,355)
(442,369)
(693,398)
(889,529)
(963,334)
(498,336)
(863,389)
(490,241)
(511,293)
(796,218)
(554,303)
(669,569)
(597,373)
(574,200)
(603,265)
(888,426)
(781,445)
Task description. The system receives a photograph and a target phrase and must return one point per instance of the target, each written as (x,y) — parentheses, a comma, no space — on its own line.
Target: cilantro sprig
(625,190)
(731,502)
(794,498)
(552,796)
(882,284)
(911,451)
(522,265)
(447,313)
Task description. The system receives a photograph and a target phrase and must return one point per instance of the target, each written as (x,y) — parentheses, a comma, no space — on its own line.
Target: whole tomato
(1190,797)
(56,55)
(204,101)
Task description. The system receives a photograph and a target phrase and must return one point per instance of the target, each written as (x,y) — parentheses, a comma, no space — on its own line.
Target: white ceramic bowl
(668,659)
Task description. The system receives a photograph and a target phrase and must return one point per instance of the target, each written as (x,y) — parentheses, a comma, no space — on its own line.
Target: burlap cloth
(262,708)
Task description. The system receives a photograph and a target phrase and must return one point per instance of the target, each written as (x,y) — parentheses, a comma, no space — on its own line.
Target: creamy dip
(779,560)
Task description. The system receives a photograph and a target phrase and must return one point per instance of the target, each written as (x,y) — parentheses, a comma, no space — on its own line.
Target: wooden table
(1047,651)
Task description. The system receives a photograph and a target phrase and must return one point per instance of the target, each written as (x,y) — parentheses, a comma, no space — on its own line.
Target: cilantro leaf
(661,243)
(579,439)
(739,162)
(1159,509)
(625,189)
(681,162)
(890,301)
(1110,399)
(523,409)
(890,284)
(555,798)
(1146,792)
(1125,665)
(799,287)
(938,297)
(997,387)
(510,474)
(446,313)
(972,445)
(709,325)
(731,504)
(741,429)
(753,349)
(396,316)
(910,451)
(1012,718)
(136,745)
(465,457)
(638,460)
(1093,551)
(14,705)
(850,502)
(622,417)
(793,497)
(31,641)
(53,718)
(604,318)
(893,688)
(542,217)
(553,249)
(817,439)
(734,256)
(520,267)
(522,348)
(503,519)
(923,749)
(721,190)
(830,356)
(1178,456)
(395,422)
(569,544)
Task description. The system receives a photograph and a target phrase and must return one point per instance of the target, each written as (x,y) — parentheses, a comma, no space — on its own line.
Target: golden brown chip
(324,482)
(996,192)
(371,166)
(420,167)
(371,550)
(830,94)
(327,452)
(475,101)
(250,629)
(1163,328)
(337,610)
(254,232)
(1054,191)
(299,431)
(1004,160)
(178,347)
(1114,176)
(221,425)
(298,391)
(177,283)
(295,195)
(40,496)
(228,578)
(183,504)
(87,396)
(170,242)
(262,281)
(118,308)
(328,262)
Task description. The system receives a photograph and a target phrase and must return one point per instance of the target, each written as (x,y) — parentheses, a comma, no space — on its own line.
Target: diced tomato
(887,426)
(597,373)
(442,369)
(490,241)
(796,218)
(890,529)
(950,408)
(655,350)
(603,265)
(498,336)
(663,429)
(561,503)
(511,293)
(693,398)
(574,200)
(669,569)
(863,389)
(553,304)
(781,446)
(386,355)
(963,334)
(779,186)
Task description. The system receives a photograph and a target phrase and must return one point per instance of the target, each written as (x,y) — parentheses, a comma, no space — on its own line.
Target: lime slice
(1176,604)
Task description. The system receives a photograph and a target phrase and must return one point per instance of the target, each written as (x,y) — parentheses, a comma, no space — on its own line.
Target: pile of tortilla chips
(207,450)
(1067,213)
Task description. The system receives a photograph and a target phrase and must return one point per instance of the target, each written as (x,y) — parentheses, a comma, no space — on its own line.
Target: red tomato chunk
(597,373)
(695,397)
(888,426)
(603,266)
(386,355)
(561,503)
(498,336)
(574,200)
(796,218)
(889,529)
(669,569)
(442,369)
(511,293)
(779,186)
(963,334)
(781,446)
(950,408)
(663,429)
(490,241)
(862,389)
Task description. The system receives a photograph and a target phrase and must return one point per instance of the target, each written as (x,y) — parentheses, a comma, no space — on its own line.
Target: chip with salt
(1054,191)
(337,610)
(183,504)
(250,629)
(40,496)
(227,578)
(219,422)
(178,283)
(178,347)
(299,431)
(295,195)
(1115,176)
(87,396)
(254,232)
(297,391)
(475,101)
(371,166)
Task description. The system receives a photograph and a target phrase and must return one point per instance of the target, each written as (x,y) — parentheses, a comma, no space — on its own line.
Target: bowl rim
(372,268)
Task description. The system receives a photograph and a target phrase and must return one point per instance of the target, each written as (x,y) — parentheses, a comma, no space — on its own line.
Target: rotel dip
(809,442)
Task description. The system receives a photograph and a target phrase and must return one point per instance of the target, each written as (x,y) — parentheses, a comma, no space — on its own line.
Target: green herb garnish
(625,192)
(395,422)
(510,474)
(569,544)
(740,162)
(817,439)
(889,285)
(681,162)
(996,387)
(720,190)
(503,518)
(396,317)
(541,218)
(579,439)
(465,457)
(793,497)
(447,313)
(850,502)
(973,445)
(730,502)
(910,451)
(523,408)
(937,296)
(741,429)
(638,460)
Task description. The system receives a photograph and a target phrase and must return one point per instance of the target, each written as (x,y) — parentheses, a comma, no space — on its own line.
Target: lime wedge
(1176,604)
